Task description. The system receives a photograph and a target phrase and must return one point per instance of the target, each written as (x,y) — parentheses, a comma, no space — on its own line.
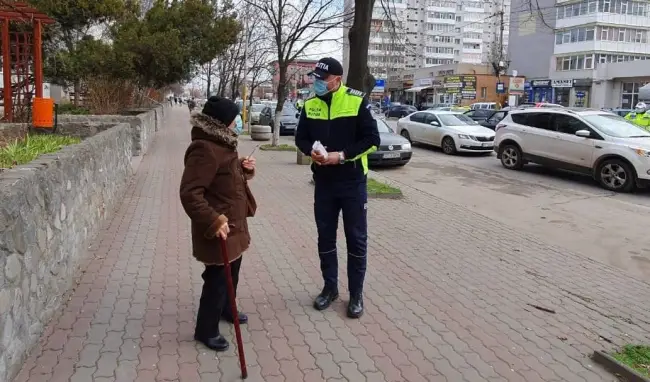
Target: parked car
(288,119)
(451,131)
(255,111)
(479,114)
(400,111)
(538,105)
(394,150)
(493,119)
(483,106)
(615,152)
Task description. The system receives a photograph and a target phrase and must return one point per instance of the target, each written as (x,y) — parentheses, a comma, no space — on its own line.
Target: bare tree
(295,25)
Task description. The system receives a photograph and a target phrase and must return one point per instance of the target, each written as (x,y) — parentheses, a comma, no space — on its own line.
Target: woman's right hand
(223,231)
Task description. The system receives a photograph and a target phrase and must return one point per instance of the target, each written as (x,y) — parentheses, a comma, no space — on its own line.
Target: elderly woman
(215,195)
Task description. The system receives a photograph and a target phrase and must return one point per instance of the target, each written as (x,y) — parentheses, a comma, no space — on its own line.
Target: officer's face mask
(321,87)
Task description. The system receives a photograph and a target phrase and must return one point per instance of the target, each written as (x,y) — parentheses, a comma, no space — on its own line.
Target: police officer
(640,116)
(340,118)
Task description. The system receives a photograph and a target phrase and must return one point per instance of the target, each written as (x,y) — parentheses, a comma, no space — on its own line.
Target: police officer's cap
(327,66)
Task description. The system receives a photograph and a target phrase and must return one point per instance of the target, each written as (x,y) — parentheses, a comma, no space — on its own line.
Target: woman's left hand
(248,163)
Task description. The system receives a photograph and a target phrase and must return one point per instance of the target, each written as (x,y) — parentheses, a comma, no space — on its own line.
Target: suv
(613,151)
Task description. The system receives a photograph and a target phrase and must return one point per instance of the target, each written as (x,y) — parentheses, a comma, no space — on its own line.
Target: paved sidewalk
(449,294)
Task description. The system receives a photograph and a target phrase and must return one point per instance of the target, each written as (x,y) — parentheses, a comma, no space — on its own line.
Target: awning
(417,89)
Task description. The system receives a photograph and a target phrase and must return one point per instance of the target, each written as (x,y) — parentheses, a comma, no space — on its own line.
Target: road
(565,209)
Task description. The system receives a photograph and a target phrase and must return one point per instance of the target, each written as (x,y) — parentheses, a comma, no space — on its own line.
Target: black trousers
(350,198)
(214,298)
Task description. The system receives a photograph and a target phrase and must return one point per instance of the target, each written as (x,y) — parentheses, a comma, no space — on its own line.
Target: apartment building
(583,44)
(412,34)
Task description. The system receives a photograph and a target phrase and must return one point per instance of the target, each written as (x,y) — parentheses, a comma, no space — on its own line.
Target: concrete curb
(617,368)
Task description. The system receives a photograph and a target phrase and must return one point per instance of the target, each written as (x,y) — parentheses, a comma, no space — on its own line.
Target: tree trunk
(282,95)
(77,92)
(207,95)
(359,38)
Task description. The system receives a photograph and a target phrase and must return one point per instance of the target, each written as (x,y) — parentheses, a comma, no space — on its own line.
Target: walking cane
(233,307)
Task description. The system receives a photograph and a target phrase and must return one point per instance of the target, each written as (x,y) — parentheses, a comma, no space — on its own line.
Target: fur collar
(215,129)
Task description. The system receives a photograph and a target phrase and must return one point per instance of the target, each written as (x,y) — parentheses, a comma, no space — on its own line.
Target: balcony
(440,21)
(612,19)
(602,46)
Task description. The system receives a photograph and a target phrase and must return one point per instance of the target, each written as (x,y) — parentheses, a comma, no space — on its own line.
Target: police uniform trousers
(351,198)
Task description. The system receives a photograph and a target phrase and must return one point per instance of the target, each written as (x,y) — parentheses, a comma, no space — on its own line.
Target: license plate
(487,144)
(391,155)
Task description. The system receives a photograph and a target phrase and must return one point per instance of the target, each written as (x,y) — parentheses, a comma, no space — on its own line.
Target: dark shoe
(242,318)
(325,298)
(217,343)
(355,307)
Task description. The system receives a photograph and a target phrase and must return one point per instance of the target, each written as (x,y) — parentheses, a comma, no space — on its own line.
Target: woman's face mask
(238,125)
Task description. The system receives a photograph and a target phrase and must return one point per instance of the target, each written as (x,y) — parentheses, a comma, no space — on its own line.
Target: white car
(451,131)
(615,152)
(255,111)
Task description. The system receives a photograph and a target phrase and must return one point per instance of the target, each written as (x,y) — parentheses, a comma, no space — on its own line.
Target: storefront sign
(562,83)
(582,82)
(540,83)
(465,85)
(580,94)
(517,85)
(424,82)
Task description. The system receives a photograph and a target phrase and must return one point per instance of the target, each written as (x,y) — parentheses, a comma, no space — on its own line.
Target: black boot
(355,306)
(228,317)
(217,343)
(325,298)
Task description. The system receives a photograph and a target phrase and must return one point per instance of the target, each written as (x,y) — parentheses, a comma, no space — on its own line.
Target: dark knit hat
(221,109)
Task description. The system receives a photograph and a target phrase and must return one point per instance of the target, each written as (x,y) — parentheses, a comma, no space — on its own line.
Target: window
(604,32)
(558,38)
(582,34)
(484,92)
(567,124)
(630,94)
(497,117)
(590,34)
(428,118)
(539,120)
(589,61)
(418,117)
(574,35)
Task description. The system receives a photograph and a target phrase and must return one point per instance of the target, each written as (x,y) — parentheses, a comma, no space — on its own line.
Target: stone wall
(144,124)
(9,132)
(50,210)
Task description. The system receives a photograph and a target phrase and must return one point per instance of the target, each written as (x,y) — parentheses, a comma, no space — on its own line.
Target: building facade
(588,38)
(297,76)
(412,34)
(461,84)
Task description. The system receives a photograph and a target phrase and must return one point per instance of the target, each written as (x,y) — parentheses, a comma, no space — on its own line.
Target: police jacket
(640,119)
(341,121)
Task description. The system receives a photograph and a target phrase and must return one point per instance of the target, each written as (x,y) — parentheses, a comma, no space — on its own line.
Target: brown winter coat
(214,191)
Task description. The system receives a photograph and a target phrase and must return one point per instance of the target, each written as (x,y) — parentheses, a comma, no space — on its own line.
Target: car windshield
(383,126)
(616,126)
(455,119)
(289,111)
(257,107)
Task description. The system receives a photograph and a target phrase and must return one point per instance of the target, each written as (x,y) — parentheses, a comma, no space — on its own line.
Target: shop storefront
(562,91)
(460,88)
(540,91)
(580,96)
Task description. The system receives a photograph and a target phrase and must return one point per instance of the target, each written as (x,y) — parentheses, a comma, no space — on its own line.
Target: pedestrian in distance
(215,195)
(340,119)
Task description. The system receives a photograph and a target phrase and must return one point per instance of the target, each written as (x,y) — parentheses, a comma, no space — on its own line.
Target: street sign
(379,86)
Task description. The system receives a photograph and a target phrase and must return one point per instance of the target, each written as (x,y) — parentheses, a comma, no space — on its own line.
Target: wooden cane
(233,308)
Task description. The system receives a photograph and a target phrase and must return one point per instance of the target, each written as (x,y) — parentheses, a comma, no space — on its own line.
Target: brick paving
(449,294)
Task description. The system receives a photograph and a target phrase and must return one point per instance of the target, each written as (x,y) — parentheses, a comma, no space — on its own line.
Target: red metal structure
(22,55)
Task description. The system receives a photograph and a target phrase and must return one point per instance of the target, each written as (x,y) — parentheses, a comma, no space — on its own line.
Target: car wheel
(616,175)
(406,135)
(448,146)
(511,157)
